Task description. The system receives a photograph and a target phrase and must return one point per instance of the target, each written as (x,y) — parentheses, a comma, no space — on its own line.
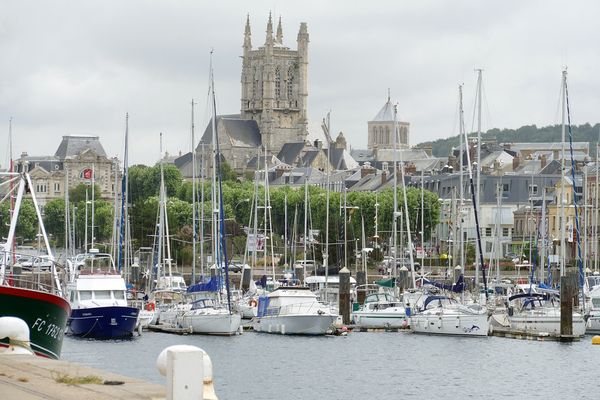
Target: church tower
(381,129)
(275,86)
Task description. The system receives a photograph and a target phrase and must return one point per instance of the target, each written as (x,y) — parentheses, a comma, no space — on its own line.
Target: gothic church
(273,99)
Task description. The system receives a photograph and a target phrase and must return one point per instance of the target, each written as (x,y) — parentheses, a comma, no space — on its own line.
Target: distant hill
(524,134)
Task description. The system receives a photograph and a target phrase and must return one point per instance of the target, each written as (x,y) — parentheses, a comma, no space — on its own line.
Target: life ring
(252,303)
(150,307)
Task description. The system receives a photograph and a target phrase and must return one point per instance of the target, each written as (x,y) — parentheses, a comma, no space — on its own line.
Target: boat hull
(593,322)
(110,322)
(545,324)
(380,320)
(450,323)
(211,323)
(45,314)
(295,324)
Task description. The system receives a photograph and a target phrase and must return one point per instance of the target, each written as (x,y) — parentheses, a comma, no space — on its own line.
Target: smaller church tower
(381,129)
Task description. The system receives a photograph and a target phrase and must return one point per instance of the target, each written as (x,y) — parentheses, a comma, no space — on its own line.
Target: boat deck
(25,377)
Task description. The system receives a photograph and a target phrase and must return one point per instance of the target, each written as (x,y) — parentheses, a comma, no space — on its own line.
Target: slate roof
(386,114)
(290,152)
(183,160)
(73,145)
(241,132)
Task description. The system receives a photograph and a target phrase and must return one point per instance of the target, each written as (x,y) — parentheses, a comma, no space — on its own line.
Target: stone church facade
(274,97)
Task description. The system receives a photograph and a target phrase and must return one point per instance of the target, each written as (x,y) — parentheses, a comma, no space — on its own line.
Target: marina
(363,365)
(267,250)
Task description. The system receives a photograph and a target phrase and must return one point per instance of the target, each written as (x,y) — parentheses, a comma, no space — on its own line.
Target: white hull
(544,323)
(593,322)
(145,317)
(381,319)
(247,311)
(450,322)
(211,322)
(296,324)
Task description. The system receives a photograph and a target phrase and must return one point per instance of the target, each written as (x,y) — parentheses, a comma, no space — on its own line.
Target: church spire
(279,38)
(247,34)
(269,40)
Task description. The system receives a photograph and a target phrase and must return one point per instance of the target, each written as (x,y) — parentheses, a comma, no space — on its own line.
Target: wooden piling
(568,291)
(344,293)
(246,277)
(361,293)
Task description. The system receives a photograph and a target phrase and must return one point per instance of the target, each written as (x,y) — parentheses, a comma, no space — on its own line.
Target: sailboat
(207,315)
(540,314)
(443,314)
(25,296)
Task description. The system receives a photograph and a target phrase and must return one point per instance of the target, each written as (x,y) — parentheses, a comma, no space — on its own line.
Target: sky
(77,67)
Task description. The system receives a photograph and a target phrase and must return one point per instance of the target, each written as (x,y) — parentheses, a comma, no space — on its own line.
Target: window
(277,83)
(119,295)
(85,295)
(56,187)
(290,83)
(505,187)
(488,231)
(488,247)
(102,294)
(533,189)
(505,232)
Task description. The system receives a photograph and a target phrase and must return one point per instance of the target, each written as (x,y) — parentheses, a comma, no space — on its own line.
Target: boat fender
(252,303)
(511,311)
(17,332)
(150,306)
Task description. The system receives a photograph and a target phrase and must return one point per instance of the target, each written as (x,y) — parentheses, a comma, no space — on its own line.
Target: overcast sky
(76,67)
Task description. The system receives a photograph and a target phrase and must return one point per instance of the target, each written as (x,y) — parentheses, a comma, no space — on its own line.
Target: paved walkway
(24,377)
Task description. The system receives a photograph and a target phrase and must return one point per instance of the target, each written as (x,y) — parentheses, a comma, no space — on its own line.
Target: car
(33,263)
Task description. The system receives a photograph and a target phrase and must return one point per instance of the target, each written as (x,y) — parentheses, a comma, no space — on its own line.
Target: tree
(144,181)
(54,220)
(77,194)
(27,224)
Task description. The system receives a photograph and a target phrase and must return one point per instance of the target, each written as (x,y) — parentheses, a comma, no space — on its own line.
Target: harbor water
(370,365)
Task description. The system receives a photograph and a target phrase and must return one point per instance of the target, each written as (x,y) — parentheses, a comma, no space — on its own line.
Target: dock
(168,329)
(25,377)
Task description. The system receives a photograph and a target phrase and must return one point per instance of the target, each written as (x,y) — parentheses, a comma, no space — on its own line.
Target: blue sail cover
(457,287)
(263,304)
(213,285)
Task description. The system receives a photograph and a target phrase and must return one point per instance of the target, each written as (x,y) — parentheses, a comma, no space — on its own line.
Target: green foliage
(527,133)
(103,221)
(27,225)
(77,193)
(144,181)
(54,220)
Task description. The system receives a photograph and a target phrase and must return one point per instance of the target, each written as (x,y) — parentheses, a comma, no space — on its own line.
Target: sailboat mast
(328,173)
(596,192)
(202,173)
(124,199)
(194,227)
(562,178)
(93,238)
(474,200)
(478,188)
(463,146)
(395,193)
(305,226)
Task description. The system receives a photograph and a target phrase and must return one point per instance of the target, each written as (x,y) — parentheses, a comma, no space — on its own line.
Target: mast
(475,205)
(327,128)
(463,146)
(406,218)
(220,210)
(395,212)
(194,228)
(477,190)
(596,192)
(422,218)
(124,199)
(305,226)
(562,199)
(93,201)
(202,173)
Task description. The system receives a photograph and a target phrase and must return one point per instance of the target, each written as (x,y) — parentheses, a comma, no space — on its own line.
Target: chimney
(516,161)
(366,169)
(384,172)
(544,161)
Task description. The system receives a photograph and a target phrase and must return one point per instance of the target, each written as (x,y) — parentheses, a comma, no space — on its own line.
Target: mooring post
(344,293)
(246,277)
(568,287)
(361,291)
(299,272)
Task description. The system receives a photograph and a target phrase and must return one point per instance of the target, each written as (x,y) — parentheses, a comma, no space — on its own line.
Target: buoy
(596,340)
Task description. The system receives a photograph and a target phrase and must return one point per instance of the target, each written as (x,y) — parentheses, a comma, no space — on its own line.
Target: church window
(277,83)
(387,135)
(255,83)
(290,82)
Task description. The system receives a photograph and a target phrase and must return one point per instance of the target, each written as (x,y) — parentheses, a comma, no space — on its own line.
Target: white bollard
(17,332)
(182,365)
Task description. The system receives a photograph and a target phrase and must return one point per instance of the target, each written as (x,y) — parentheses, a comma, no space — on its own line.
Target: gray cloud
(77,67)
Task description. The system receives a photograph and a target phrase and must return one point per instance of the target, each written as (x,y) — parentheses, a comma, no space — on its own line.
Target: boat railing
(34,272)
(295,309)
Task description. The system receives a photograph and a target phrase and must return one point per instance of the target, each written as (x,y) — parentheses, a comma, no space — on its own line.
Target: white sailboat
(210,315)
(445,315)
